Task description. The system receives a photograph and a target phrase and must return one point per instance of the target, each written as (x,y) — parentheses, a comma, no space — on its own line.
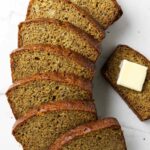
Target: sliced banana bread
(65,10)
(39,128)
(46,88)
(55,32)
(138,101)
(30,60)
(103,134)
(106,12)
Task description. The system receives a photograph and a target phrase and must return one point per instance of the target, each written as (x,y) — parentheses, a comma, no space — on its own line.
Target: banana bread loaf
(103,134)
(138,101)
(39,128)
(46,88)
(55,32)
(65,10)
(30,60)
(106,12)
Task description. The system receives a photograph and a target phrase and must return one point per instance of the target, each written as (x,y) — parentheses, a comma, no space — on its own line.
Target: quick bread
(55,32)
(106,12)
(36,59)
(105,134)
(39,128)
(139,102)
(46,88)
(65,10)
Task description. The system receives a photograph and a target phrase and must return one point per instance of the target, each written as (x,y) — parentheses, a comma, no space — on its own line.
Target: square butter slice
(132,75)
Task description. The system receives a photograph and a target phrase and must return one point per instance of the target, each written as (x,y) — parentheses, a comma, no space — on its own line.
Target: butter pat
(132,75)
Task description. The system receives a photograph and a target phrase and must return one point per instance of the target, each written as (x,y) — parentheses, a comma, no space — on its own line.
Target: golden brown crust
(88,16)
(120,13)
(85,129)
(59,77)
(57,106)
(84,36)
(59,51)
(125,97)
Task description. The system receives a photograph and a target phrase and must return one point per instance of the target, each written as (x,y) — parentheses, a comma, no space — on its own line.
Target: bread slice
(39,128)
(55,32)
(103,134)
(65,10)
(138,101)
(106,12)
(31,60)
(46,88)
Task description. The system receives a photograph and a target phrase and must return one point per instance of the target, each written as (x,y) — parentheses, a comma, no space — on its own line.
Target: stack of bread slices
(52,72)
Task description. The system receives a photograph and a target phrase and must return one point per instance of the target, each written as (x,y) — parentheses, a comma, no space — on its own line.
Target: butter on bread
(132,75)
(139,102)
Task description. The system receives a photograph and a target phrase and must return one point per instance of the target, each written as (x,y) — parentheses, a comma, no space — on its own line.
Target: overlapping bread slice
(55,32)
(39,128)
(105,12)
(67,11)
(30,60)
(138,101)
(103,134)
(46,88)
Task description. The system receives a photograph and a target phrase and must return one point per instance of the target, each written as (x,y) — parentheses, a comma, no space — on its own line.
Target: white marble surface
(132,29)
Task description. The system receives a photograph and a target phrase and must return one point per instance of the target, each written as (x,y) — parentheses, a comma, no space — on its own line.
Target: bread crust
(58,51)
(80,10)
(125,97)
(57,106)
(84,36)
(120,13)
(59,77)
(85,129)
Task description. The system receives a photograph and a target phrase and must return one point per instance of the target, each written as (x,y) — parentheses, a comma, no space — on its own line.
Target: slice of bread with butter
(128,72)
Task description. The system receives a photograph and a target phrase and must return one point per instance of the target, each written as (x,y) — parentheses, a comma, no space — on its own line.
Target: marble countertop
(132,29)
